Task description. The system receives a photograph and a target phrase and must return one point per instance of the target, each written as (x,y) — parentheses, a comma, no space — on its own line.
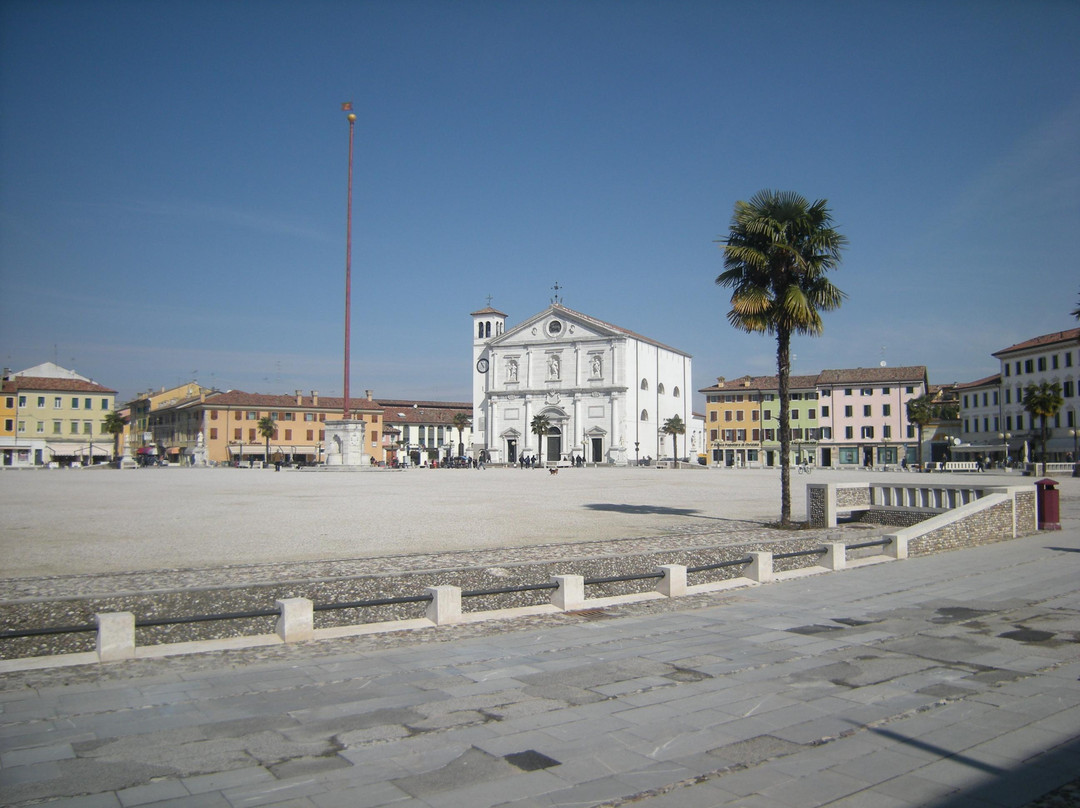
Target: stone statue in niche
(511,370)
(597,367)
(553,367)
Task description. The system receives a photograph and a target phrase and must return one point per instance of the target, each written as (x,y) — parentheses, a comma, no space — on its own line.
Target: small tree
(1043,401)
(267,428)
(461,423)
(674,426)
(115,424)
(540,426)
(1076,312)
(920,411)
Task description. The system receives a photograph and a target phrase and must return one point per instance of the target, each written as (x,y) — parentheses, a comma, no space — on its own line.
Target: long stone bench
(905,504)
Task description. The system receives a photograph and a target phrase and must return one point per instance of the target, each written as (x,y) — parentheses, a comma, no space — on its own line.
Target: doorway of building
(554,444)
(511,451)
(598,450)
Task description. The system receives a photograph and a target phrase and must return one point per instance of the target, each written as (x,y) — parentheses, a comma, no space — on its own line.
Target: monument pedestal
(345,443)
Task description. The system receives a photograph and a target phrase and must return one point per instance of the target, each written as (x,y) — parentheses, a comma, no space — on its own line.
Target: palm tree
(461,422)
(267,428)
(1043,401)
(1076,312)
(115,424)
(920,411)
(776,256)
(540,426)
(674,426)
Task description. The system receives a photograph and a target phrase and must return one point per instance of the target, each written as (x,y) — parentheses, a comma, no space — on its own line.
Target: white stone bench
(962,465)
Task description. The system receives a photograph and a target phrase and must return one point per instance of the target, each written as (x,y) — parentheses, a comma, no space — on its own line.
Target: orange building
(224,427)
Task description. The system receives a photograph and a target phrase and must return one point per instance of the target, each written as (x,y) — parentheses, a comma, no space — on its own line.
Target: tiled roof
(761,383)
(911,373)
(424,415)
(1073,335)
(987,382)
(448,405)
(834,377)
(393,411)
(488,310)
(56,385)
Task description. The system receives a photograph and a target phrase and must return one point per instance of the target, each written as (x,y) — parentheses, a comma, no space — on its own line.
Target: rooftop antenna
(556,298)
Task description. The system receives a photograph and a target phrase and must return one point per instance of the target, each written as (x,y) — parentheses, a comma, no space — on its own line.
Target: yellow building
(733,421)
(58,417)
(138,434)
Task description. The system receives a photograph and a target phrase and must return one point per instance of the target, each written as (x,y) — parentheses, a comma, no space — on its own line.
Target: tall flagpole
(347,107)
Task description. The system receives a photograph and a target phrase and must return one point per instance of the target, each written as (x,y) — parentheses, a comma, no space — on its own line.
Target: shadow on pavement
(664,510)
(1026,785)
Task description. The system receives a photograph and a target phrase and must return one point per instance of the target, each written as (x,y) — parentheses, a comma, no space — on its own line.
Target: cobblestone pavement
(234,575)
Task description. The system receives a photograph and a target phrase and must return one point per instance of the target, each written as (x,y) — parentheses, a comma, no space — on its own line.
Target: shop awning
(79,450)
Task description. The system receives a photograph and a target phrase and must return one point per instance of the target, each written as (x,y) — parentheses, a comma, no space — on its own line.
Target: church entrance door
(554,444)
(511,451)
(597,450)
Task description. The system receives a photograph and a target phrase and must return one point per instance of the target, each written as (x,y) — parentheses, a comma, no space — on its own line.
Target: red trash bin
(1047,505)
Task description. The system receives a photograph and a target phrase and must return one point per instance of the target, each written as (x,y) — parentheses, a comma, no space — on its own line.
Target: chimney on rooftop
(314,398)
(368,394)
(299,397)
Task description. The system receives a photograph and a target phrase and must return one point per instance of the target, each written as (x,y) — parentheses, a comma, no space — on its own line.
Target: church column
(528,436)
(490,441)
(618,403)
(579,423)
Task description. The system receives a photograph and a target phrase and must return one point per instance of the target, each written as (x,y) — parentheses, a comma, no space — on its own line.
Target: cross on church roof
(489,301)
(556,298)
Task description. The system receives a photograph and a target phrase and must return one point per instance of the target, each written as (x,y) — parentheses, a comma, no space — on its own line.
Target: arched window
(487,329)
(644,384)
(675,392)
(479,330)
(644,415)
(660,389)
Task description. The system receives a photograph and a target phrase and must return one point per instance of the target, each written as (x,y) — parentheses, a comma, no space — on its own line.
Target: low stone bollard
(445,606)
(296,623)
(835,556)
(673,584)
(760,568)
(571,592)
(115,636)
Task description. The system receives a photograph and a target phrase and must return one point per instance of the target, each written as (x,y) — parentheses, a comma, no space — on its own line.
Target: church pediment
(555,325)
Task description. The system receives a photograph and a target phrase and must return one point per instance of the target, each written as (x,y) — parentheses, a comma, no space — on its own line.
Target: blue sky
(173,180)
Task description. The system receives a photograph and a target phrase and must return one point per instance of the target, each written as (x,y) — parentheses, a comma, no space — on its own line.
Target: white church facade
(605,391)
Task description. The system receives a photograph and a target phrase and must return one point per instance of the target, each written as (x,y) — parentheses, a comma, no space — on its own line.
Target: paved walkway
(949,680)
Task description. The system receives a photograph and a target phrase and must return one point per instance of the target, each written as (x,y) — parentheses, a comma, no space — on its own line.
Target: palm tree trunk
(783,368)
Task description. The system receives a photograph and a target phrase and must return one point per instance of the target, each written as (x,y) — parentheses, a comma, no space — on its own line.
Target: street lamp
(1076,458)
(637,459)
(1004,437)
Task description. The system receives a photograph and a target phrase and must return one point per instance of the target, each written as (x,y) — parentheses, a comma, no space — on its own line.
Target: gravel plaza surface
(71,522)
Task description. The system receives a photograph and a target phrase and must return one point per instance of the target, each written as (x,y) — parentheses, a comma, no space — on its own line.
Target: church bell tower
(487,324)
